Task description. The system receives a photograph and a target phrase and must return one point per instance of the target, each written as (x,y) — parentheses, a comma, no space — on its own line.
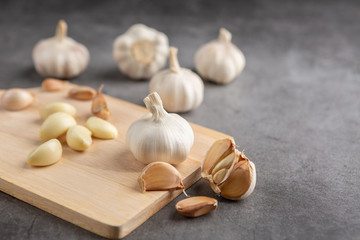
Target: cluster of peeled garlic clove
(229,172)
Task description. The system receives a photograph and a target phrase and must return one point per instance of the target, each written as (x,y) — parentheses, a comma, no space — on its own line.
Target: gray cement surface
(295,108)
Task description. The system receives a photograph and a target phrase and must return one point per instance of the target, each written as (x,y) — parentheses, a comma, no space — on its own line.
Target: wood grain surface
(96,189)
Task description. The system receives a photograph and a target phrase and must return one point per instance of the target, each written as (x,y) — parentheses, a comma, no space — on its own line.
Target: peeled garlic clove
(53,85)
(220,61)
(159,136)
(99,106)
(196,206)
(82,93)
(16,99)
(54,107)
(141,51)
(78,138)
(101,128)
(180,89)
(158,176)
(242,180)
(46,154)
(56,125)
(60,56)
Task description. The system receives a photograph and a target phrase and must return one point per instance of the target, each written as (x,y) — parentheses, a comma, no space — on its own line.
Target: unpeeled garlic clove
(56,125)
(228,171)
(82,93)
(46,154)
(196,206)
(242,180)
(99,107)
(101,128)
(158,176)
(54,107)
(53,85)
(78,138)
(16,99)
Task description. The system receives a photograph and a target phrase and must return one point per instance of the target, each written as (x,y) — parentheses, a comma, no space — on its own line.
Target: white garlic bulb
(159,136)
(141,51)
(180,89)
(60,56)
(220,61)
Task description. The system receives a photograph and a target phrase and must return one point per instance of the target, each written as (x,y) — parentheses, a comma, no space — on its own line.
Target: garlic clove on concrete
(229,172)
(159,136)
(180,89)
(220,60)
(196,206)
(159,176)
(46,154)
(241,181)
(141,51)
(60,56)
(16,99)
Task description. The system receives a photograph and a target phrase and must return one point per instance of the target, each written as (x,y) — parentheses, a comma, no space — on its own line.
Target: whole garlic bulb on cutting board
(159,136)
(220,61)
(180,89)
(141,51)
(60,56)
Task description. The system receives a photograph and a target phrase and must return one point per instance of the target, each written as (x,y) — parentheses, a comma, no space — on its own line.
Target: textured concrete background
(295,109)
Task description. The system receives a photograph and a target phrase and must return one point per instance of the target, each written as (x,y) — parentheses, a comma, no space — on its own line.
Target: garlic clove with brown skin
(16,99)
(229,172)
(159,136)
(220,60)
(180,89)
(196,206)
(141,51)
(99,107)
(60,56)
(159,176)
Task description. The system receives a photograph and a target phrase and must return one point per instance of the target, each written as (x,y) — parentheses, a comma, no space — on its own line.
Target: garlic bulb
(141,51)
(60,56)
(159,136)
(220,61)
(180,89)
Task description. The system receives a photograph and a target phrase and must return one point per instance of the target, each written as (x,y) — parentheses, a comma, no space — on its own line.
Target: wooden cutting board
(97,189)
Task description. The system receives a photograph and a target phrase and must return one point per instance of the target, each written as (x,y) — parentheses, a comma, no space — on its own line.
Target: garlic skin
(180,89)
(16,99)
(220,61)
(60,56)
(141,51)
(159,136)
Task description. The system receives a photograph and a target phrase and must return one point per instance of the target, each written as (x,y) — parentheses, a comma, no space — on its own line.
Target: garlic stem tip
(224,35)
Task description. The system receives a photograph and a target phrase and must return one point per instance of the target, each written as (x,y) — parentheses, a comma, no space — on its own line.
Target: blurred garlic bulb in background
(180,89)
(60,56)
(220,61)
(141,51)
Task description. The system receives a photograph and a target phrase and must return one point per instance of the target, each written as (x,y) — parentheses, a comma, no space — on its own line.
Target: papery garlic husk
(196,206)
(60,56)
(99,107)
(16,99)
(229,172)
(141,51)
(159,176)
(180,89)
(220,61)
(159,136)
